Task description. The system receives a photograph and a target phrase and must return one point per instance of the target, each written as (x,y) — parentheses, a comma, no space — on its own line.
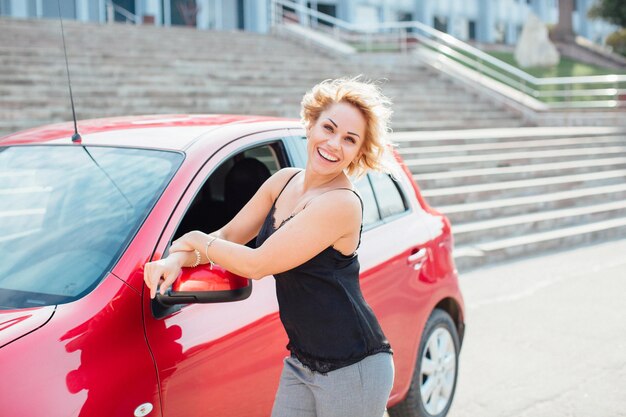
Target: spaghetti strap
(362,212)
(285,186)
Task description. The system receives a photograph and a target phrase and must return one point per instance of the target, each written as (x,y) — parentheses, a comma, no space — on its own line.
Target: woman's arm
(248,221)
(241,229)
(327,219)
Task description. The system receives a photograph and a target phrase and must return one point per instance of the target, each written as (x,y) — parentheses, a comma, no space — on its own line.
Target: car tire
(436,370)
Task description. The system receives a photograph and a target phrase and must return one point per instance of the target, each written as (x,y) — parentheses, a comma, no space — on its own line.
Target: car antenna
(76,136)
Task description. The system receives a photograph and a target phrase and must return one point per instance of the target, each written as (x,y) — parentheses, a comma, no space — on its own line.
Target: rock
(534,48)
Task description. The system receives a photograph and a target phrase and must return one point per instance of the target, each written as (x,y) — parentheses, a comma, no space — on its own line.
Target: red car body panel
(15,324)
(90,359)
(106,354)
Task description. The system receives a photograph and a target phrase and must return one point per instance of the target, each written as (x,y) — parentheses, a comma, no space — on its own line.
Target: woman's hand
(163,272)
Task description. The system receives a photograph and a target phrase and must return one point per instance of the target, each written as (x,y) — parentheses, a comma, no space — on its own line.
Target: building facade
(486,21)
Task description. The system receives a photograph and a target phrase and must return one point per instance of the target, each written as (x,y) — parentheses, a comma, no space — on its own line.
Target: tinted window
(266,154)
(68,212)
(370,211)
(390,200)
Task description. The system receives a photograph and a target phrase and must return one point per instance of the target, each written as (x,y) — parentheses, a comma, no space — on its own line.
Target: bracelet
(206,249)
(197,262)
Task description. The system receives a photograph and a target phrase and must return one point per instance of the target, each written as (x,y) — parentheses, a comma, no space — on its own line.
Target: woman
(308,226)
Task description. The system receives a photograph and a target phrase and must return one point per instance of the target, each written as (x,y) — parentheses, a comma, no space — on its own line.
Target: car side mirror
(203,285)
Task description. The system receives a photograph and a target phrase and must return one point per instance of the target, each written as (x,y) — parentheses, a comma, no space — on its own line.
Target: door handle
(417,258)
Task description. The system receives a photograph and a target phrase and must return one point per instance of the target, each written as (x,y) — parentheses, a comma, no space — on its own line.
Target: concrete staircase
(508,192)
(515,192)
(126,70)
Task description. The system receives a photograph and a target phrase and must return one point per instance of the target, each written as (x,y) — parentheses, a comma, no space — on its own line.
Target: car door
(392,254)
(220,359)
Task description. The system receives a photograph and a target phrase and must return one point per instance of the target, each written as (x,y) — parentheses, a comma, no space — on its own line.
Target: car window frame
(398,187)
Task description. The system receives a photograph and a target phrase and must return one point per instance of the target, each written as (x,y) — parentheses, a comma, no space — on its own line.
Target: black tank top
(327,320)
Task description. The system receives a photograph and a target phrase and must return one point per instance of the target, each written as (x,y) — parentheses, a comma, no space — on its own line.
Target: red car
(79,335)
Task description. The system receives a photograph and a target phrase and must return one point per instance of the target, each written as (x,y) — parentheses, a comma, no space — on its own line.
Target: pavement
(546,336)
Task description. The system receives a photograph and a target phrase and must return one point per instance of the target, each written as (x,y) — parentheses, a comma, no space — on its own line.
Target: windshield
(66,214)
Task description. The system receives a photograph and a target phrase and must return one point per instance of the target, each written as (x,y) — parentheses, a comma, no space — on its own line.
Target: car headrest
(242,181)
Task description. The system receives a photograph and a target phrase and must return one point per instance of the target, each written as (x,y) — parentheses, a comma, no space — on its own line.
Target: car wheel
(434,378)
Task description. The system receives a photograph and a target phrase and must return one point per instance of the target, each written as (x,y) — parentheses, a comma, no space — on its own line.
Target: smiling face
(335,138)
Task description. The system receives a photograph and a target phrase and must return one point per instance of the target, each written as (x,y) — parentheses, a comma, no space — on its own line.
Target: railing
(598,91)
(114,10)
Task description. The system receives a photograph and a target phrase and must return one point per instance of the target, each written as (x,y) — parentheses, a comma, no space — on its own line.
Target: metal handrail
(113,8)
(571,89)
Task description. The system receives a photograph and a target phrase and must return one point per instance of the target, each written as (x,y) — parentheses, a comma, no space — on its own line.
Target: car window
(370,210)
(267,154)
(230,186)
(67,214)
(390,200)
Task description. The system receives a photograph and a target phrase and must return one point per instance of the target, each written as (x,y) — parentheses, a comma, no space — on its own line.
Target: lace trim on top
(323,366)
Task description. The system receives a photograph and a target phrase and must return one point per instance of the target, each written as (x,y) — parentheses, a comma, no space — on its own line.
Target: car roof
(170,131)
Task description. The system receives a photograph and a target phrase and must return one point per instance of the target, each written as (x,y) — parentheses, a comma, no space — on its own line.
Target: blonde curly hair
(376,150)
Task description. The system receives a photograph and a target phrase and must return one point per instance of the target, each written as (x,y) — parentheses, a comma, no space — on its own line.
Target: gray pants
(358,390)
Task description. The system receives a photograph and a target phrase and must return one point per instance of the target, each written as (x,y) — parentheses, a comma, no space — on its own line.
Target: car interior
(229,187)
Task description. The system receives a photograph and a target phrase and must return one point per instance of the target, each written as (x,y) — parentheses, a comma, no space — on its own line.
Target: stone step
(498,135)
(499,228)
(485,175)
(489,209)
(44,31)
(131,74)
(267,48)
(56,66)
(450,163)
(205,63)
(275,105)
(198,61)
(518,188)
(209,65)
(8,126)
(471,256)
(66,115)
(14,89)
(88,104)
(421,113)
(11,108)
(509,121)
(416,152)
(14,86)
(94,107)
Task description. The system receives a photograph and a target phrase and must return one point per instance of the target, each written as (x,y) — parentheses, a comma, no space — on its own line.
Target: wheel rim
(437,371)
